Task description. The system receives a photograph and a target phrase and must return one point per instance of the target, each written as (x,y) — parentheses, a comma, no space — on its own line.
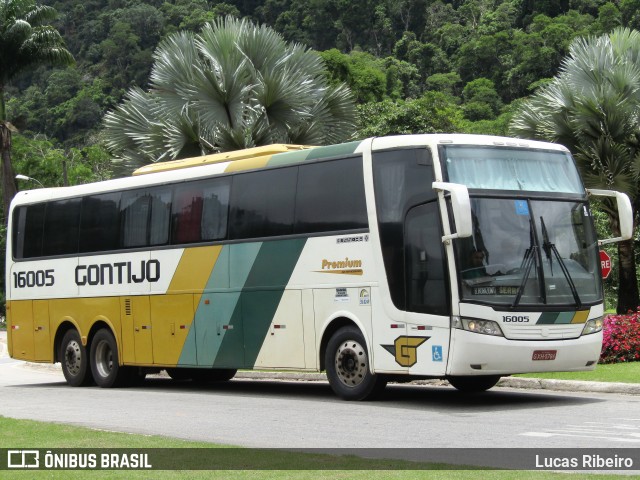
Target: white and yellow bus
(419,256)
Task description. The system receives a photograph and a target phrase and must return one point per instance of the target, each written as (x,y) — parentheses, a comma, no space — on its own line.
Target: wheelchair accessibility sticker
(436,353)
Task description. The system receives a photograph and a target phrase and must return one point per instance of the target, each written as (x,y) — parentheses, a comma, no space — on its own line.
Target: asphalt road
(287,414)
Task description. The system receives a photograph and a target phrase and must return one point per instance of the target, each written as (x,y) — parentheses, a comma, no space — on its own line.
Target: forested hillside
(413,65)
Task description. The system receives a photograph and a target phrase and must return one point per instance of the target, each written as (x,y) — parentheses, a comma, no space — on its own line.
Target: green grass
(615,372)
(32,434)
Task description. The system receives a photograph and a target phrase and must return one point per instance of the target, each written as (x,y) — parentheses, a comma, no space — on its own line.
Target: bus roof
(253,153)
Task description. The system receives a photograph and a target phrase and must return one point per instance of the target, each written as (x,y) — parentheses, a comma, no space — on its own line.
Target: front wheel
(74,359)
(474,384)
(106,370)
(347,363)
(208,375)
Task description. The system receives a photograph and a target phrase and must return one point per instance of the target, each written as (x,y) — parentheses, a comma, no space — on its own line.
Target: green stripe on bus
(333,150)
(263,291)
(549,318)
(231,328)
(217,314)
(288,158)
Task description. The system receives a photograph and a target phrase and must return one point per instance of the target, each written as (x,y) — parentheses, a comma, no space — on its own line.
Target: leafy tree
(609,17)
(361,71)
(444,82)
(26,41)
(234,85)
(592,107)
(482,102)
(432,113)
(630,12)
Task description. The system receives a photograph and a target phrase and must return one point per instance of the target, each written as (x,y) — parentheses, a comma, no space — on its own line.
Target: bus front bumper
(477,354)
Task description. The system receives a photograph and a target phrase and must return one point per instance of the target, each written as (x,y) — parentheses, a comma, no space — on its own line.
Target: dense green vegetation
(480,55)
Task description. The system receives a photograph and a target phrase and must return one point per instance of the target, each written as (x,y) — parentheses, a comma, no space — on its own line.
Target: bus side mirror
(625,214)
(461,207)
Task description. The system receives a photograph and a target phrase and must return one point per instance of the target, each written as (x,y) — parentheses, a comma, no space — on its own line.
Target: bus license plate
(544,355)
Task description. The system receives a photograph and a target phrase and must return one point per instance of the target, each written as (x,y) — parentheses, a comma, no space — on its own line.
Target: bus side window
(215,209)
(262,203)
(187,214)
(401,179)
(100,223)
(331,197)
(61,226)
(145,217)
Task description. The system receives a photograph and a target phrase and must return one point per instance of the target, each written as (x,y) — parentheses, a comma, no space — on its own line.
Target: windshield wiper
(531,256)
(550,248)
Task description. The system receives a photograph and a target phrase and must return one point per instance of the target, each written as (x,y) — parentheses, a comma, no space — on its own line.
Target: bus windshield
(526,252)
(521,169)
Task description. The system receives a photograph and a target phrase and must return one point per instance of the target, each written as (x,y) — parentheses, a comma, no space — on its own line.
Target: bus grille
(542,332)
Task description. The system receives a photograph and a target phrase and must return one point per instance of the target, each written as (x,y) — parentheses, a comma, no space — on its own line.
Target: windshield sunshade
(518,169)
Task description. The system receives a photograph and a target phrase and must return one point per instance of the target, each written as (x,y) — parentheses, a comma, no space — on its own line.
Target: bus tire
(347,364)
(179,374)
(210,375)
(470,384)
(136,376)
(74,360)
(106,370)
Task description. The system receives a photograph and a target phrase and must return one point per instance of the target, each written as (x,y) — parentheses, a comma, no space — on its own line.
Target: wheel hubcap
(352,364)
(73,357)
(104,359)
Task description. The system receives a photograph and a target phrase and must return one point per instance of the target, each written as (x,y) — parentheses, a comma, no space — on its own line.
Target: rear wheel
(474,384)
(347,363)
(74,359)
(104,361)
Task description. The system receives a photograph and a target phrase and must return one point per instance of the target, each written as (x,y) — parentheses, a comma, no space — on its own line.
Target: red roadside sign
(605,264)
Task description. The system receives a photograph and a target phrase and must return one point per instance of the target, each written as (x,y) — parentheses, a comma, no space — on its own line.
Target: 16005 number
(515,319)
(33,278)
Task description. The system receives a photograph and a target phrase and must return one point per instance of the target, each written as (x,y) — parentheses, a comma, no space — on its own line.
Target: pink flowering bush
(621,338)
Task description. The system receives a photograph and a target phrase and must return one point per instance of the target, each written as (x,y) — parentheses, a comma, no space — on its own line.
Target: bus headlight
(485,327)
(593,326)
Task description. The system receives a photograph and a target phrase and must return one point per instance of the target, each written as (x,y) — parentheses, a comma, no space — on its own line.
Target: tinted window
(426,282)
(27,234)
(145,217)
(60,235)
(200,211)
(263,203)
(331,197)
(401,179)
(100,223)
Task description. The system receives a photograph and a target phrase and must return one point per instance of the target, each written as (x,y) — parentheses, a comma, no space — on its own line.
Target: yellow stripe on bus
(194,269)
(580,317)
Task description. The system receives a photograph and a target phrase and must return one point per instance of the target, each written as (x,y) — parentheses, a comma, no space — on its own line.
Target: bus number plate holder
(544,355)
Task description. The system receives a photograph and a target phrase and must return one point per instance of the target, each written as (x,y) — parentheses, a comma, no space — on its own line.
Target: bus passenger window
(215,209)
(187,212)
(99,223)
(331,197)
(61,225)
(262,203)
(28,235)
(145,217)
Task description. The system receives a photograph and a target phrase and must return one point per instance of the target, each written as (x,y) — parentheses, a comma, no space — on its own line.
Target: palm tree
(26,41)
(234,85)
(593,108)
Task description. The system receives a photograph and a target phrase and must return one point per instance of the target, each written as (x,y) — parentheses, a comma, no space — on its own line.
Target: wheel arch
(66,325)
(104,323)
(334,324)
